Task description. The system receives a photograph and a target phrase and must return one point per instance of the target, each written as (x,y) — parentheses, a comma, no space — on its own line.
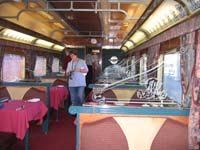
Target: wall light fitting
(58,47)
(17,36)
(44,43)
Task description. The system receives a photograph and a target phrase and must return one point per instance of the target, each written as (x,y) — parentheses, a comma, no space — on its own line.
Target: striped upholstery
(60,82)
(103,134)
(4,92)
(35,93)
(129,133)
(172,135)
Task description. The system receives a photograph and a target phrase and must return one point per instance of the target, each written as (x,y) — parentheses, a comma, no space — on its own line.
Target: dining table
(15,116)
(58,94)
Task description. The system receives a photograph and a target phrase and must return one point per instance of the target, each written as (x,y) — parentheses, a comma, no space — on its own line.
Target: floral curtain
(55,64)
(13,67)
(187,55)
(194,117)
(40,66)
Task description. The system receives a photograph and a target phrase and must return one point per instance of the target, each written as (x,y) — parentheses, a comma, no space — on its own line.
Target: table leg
(78,132)
(45,125)
(26,139)
(57,114)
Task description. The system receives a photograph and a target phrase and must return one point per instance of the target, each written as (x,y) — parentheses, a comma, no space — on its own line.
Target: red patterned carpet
(61,135)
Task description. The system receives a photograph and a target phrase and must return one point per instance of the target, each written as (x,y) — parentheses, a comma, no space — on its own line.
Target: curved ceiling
(167,14)
(77,23)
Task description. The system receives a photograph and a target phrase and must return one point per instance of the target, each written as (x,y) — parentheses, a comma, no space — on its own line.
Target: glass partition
(172,76)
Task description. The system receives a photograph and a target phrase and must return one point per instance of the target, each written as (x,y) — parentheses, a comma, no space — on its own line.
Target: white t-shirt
(89,59)
(77,78)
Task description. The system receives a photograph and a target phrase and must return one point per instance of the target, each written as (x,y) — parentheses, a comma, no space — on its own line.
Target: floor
(61,135)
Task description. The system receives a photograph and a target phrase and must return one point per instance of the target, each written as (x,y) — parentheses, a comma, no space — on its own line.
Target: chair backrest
(110,94)
(35,93)
(4,92)
(177,139)
(60,82)
(93,137)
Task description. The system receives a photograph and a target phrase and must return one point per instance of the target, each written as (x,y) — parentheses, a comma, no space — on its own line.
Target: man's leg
(81,94)
(73,95)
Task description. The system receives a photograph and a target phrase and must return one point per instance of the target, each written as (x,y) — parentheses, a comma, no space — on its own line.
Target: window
(143,69)
(40,66)
(160,69)
(55,65)
(133,68)
(13,67)
(172,77)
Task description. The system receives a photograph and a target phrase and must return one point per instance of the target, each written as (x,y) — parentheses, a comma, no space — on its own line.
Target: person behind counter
(67,59)
(91,61)
(76,72)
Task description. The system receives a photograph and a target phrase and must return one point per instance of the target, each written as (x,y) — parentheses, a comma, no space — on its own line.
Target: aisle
(61,135)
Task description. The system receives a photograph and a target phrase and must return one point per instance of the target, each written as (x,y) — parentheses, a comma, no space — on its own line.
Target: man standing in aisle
(89,62)
(76,71)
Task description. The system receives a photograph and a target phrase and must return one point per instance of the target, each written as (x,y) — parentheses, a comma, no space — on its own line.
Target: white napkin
(60,85)
(34,100)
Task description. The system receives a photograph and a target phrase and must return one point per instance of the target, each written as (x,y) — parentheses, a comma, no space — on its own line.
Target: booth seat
(130,128)
(59,82)
(58,93)
(24,91)
(117,94)
(112,133)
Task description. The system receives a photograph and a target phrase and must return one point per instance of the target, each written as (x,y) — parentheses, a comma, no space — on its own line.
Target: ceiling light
(110,47)
(44,43)
(116,27)
(129,44)
(24,38)
(111,40)
(167,14)
(193,5)
(14,35)
(93,41)
(137,37)
(124,48)
(163,17)
(58,47)
(96,51)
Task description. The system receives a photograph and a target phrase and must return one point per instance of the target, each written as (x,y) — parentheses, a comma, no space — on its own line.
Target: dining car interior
(140,74)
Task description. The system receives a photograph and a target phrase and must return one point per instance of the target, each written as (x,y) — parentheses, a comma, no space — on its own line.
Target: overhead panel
(108,21)
(167,14)
(38,21)
(77,22)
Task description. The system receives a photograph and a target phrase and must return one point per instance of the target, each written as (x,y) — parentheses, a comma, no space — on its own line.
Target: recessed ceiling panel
(78,21)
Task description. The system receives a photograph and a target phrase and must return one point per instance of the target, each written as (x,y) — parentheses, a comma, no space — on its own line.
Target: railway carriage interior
(144,86)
